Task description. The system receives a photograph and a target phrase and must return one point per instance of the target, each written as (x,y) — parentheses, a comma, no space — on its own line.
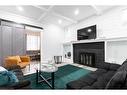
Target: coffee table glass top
(48,67)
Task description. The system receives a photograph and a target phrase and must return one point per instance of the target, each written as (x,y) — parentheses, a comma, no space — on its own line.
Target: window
(33,42)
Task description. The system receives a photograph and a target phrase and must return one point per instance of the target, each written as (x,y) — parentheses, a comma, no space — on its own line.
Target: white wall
(52,41)
(18,18)
(109,25)
(116,51)
(51,37)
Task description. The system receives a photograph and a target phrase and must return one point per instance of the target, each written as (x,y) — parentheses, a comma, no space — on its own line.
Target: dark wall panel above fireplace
(96,48)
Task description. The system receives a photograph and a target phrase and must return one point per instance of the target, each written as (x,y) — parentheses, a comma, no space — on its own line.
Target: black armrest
(108,66)
(21,85)
(103,65)
(114,66)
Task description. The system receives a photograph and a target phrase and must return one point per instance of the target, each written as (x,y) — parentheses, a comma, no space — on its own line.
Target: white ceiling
(52,14)
(68,11)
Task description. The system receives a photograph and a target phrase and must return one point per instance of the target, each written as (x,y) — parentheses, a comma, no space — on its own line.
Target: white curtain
(33,42)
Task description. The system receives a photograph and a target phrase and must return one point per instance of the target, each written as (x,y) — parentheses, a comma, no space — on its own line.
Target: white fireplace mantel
(98,40)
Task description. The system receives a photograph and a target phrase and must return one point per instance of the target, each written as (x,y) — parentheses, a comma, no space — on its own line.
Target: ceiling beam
(46,12)
(42,8)
(97,10)
(64,17)
(55,14)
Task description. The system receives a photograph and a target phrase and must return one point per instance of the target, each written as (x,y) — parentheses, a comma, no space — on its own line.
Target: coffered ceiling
(62,15)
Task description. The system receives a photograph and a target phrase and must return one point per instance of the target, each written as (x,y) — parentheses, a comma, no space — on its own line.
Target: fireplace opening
(95,50)
(86,58)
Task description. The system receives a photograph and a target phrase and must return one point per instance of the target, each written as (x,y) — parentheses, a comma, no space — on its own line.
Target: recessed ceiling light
(76,12)
(59,21)
(89,30)
(20,8)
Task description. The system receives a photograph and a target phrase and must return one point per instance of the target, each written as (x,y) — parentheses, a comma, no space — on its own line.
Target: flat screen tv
(87,33)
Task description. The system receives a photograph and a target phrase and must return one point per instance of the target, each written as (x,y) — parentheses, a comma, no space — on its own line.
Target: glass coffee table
(48,68)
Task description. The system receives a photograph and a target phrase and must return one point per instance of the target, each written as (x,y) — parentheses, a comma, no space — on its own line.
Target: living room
(63,47)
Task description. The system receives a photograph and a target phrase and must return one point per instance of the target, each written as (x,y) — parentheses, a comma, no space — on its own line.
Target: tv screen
(87,33)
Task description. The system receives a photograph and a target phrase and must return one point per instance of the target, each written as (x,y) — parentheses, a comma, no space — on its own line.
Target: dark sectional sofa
(107,76)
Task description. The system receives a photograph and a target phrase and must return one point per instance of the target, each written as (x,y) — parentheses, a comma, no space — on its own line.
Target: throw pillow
(12,77)
(117,81)
(8,78)
(3,78)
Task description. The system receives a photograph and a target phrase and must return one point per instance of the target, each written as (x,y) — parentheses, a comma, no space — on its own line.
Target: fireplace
(87,59)
(90,54)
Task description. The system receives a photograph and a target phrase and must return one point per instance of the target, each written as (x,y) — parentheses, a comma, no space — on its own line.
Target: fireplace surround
(90,54)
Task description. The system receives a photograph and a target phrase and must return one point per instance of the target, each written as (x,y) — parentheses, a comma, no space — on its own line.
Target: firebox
(87,59)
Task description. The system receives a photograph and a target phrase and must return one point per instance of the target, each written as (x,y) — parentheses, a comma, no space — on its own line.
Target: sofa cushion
(102,80)
(97,73)
(16,58)
(75,85)
(87,87)
(108,75)
(114,67)
(117,81)
(125,84)
(87,79)
(104,65)
(123,67)
(100,83)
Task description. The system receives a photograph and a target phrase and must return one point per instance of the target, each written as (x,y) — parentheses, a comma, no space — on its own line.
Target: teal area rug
(64,75)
